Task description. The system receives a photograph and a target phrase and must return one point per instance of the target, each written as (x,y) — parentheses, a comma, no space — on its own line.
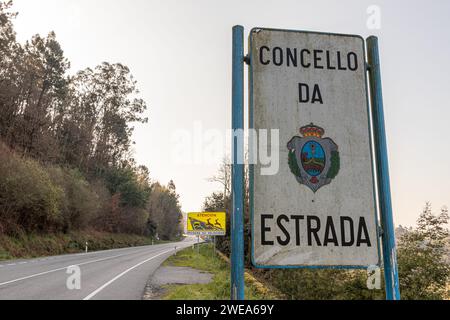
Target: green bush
(28,198)
(79,204)
(43,199)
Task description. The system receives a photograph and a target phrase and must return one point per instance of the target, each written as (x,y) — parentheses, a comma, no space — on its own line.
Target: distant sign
(319,209)
(206,223)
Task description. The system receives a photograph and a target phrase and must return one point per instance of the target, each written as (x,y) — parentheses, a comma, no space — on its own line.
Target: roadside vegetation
(35,245)
(66,160)
(219,287)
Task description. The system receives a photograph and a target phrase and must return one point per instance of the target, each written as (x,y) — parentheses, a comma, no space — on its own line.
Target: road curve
(119,274)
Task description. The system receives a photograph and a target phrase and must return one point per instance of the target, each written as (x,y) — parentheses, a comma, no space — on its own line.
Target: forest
(66,146)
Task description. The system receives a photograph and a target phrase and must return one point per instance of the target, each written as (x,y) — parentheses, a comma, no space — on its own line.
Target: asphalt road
(119,274)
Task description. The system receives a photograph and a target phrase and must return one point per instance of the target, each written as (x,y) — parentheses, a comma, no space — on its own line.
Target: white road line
(59,269)
(122,274)
(34,260)
(90,253)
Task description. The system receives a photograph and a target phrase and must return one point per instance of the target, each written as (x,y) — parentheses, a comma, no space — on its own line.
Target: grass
(219,287)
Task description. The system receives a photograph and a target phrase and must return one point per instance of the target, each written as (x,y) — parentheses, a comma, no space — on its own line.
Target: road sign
(206,223)
(319,209)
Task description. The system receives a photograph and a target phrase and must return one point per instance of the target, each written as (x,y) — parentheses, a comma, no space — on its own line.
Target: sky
(180,54)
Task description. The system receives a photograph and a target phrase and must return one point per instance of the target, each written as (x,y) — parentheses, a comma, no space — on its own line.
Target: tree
(40,98)
(221,202)
(164,211)
(67,141)
(422,252)
(11,55)
(223,176)
(125,182)
(103,105)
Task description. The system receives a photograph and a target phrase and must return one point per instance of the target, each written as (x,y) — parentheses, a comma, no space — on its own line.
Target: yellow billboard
(206,223)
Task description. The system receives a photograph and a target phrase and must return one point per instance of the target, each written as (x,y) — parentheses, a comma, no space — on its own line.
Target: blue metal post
(384,189)
(237,223)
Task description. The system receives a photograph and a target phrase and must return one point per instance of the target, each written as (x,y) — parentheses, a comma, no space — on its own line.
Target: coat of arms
(313,160)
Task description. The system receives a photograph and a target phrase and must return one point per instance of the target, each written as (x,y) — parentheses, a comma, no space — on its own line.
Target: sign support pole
(384,189)
(237,221)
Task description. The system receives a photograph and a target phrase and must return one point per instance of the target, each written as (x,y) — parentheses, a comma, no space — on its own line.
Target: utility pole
(384,188)
(237,221)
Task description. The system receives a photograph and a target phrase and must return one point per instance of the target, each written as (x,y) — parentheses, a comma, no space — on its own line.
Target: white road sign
(319,209)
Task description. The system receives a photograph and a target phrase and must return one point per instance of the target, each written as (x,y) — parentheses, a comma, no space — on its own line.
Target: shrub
(80,204)
(28,198)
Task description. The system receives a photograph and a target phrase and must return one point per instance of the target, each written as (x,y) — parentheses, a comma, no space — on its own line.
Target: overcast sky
(180,54)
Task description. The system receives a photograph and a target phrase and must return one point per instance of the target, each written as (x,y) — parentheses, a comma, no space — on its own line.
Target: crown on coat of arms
(312,131)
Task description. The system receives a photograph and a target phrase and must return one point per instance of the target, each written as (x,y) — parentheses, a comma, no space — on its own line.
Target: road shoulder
(203,275)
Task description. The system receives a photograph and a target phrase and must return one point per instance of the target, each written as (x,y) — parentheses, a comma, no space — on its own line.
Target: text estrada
(338,232)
